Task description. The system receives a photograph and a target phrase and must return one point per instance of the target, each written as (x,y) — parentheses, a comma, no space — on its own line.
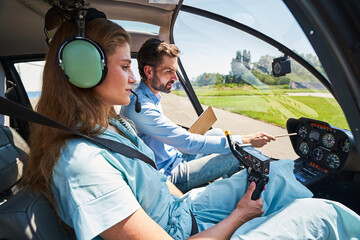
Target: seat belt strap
(18,111)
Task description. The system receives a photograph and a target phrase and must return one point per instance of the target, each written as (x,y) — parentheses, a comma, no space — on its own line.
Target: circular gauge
(345,145)
(333,161)
(304,148)
(328,140)
(302,131)
(317,154)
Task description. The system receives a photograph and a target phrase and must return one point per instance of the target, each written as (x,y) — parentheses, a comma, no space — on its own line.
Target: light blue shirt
(95,188)
(164,137)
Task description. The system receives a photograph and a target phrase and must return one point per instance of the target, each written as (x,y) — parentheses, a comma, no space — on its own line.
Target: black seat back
(23,214)
(13,159)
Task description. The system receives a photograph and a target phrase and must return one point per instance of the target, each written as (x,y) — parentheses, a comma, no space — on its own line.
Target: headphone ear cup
(82,63)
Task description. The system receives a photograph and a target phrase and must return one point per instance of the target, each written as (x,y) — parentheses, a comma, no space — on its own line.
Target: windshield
(232,70)
(271,18)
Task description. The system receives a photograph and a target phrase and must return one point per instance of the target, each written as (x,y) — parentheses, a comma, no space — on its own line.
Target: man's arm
(258,139)
(158,126)
(153,123)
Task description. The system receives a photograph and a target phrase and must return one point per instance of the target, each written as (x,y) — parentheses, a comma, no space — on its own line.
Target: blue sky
(208,46)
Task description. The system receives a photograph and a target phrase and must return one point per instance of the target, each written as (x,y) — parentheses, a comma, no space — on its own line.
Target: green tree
(229,79)
(219,79)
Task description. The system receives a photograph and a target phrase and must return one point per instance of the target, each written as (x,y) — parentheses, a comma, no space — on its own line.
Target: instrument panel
(319,143)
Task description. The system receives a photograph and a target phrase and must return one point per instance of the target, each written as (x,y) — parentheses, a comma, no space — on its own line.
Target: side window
(231,71)
(31,77)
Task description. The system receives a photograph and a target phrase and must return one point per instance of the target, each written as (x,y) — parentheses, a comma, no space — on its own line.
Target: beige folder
(204,122)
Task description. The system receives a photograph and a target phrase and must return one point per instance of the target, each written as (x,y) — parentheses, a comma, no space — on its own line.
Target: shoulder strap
(18,111)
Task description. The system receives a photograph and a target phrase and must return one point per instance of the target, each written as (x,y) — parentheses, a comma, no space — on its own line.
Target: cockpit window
(232,70)
(271,18)
(138,26)
(31,77)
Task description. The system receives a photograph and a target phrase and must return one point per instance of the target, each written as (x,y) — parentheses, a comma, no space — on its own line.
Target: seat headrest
(13,157)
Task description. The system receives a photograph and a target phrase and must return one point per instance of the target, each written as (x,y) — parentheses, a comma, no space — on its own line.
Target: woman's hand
(245,210)
(248,209)
(258,139)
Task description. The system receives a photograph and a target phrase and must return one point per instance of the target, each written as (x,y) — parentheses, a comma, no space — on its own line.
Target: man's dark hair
(151,53)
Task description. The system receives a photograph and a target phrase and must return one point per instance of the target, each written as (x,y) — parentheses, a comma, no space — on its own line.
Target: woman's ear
(149,71)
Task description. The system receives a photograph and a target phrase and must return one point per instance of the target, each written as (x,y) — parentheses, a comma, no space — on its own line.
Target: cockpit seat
(13,159)
(23,214)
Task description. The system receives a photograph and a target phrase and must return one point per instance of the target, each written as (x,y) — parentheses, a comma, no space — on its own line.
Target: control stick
(256,164)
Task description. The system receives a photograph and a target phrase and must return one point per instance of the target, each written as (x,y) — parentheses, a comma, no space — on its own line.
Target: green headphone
(82,60)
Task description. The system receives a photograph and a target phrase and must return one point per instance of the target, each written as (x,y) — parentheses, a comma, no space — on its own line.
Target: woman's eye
(126,67)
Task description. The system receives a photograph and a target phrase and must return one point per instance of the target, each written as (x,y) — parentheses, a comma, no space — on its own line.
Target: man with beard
(189,160)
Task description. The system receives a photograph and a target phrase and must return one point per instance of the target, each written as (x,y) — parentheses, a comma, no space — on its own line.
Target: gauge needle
(285,135)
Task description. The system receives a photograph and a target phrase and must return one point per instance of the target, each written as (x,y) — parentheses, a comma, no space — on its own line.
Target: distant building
(307,85)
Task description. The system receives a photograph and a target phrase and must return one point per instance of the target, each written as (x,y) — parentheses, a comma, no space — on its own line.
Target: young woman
(103,194)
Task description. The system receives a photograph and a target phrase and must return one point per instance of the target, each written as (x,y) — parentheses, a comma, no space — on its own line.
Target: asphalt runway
(180,111)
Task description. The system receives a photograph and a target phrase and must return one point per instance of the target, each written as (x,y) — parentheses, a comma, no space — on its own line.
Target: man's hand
(258,139)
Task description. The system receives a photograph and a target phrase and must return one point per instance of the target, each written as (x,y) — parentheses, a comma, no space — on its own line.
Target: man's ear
(149,71)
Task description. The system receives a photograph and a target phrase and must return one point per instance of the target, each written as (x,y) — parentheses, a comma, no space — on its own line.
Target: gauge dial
(304,148)
(345,145)
(302,131)
(328,140)
(333,161)
(317,154)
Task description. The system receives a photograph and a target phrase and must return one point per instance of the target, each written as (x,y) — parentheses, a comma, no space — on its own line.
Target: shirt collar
(146,90)
(127,130)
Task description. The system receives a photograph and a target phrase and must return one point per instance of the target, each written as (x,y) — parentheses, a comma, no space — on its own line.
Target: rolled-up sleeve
(93,196)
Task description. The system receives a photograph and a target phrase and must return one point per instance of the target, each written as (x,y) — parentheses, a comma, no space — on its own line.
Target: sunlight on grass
(278,109)
(274,105)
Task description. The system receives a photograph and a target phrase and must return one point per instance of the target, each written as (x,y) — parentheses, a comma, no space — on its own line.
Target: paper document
(204,122)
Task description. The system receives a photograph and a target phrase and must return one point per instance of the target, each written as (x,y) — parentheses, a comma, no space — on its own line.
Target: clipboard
(204,122)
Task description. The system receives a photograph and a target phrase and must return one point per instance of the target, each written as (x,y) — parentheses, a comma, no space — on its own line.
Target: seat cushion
(28,215)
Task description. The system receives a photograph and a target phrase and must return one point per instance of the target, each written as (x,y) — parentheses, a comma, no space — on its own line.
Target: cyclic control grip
(256,164)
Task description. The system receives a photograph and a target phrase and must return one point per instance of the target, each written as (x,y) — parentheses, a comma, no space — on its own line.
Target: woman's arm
(173,189)
(140,226)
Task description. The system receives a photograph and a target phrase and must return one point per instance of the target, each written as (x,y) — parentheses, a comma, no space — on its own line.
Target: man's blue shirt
(167,140)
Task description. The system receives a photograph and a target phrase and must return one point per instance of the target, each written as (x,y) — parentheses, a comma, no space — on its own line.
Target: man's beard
(158,86)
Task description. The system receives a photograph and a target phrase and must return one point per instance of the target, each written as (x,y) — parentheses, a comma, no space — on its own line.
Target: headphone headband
(80,22)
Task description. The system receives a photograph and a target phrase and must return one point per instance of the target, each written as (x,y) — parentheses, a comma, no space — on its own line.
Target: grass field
(247,90)
(273,106)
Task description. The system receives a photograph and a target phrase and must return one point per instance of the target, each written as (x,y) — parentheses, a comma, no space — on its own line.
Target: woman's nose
(132,78)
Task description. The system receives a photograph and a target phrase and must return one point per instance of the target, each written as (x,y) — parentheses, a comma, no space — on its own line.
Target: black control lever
(256,164)
(260,182)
